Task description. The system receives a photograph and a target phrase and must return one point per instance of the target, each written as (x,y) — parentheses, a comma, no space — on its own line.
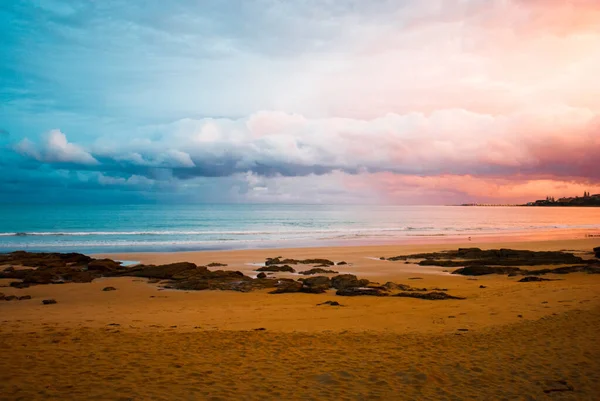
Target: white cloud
(55,149)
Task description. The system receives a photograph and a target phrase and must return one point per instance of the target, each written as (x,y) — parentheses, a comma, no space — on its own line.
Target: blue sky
(298,101)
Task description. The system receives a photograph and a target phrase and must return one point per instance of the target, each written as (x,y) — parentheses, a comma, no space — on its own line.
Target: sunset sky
(353,101)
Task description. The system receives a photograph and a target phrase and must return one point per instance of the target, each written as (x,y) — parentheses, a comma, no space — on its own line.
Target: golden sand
(509,340)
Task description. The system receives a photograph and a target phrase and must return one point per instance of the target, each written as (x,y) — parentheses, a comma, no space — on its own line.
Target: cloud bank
(413,102)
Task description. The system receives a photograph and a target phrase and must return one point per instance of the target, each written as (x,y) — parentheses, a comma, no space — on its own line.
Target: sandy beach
(507,340)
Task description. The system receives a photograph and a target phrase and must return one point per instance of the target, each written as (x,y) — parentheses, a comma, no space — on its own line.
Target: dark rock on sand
(433,296)
(330,303)
(597,252)
(530,279)
(481,270)
(261,275)
(24,297)
(48,301)
(11,298)
(317,270)
(590,269)
(103,265)
(287,286)
(551,386)
(109,289)
(342,263)
(316,285)
(216,264)
(344,281)
(401,287)
(279,261)
(163,272)
(276,268)
(493,257)
(360,291)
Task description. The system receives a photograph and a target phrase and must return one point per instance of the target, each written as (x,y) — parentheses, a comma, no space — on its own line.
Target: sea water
(162,228)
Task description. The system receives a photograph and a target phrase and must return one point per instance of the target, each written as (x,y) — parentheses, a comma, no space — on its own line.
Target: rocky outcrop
(279,261)
(103,265)
(482,270)
(530,279)
(54,268)
(276,268)
(432,296)
(513,271)
(344,281)
(287,286)
(163,272)
(317,270)
(33,259)
(401,287)
(362,291)
(316,285)
(330,303)
(494,257)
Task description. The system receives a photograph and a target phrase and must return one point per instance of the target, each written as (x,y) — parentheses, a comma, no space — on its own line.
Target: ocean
(166,228)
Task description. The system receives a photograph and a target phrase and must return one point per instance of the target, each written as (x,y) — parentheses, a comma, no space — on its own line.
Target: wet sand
(509,340)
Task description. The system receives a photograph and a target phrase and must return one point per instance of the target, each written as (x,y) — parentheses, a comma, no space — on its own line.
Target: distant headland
(582,201)
(585,200)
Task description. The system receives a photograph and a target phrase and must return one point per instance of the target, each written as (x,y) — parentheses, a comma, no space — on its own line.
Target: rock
(494,257)
(287,286)
(279,261)
(44,260)
(317,271)
(360,291)
(551,386)
(24,297)
(401,287)
(2,296)
(11,298)
(216,264)
(566,270)
(19,284)
(165,272)
(482,286)
(275,268)
(342,263)
(48,301)
(331,303)
(109,289)
(533,279)
(432,296)
(103,265)
(597,252)
(316,285)
(261,275)
(344,281)
(481,270)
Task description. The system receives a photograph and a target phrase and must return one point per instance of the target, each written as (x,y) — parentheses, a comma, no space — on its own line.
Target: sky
(299,101)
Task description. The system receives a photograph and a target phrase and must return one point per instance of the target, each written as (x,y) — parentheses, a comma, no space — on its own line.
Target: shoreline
(525,235)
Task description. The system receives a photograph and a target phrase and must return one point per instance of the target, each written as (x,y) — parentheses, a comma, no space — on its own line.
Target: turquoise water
(140,228)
